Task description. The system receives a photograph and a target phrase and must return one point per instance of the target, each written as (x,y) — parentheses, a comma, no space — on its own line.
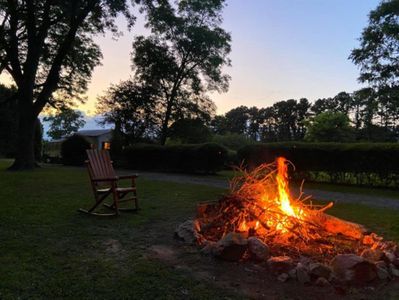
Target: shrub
(117,145)
(201,158)
(233,141)
(372,164)
(73,150)
(189,131)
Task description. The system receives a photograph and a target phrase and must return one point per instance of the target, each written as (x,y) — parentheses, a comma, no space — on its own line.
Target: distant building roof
(95,132)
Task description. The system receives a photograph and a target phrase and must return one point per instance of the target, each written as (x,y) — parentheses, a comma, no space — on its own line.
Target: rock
(381,264)
(306,261)
(259,250)
(390,256)
(321,281)
(280,264)
(209,248)
(372,254)
(302,274)
(396,262)
(292,273)
(353,269)
(382,273)
(231,247)
(319,270)
(283,277)
(188,232)
(393,270)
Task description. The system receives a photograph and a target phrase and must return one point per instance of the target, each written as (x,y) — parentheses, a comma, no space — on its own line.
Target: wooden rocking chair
(104,182)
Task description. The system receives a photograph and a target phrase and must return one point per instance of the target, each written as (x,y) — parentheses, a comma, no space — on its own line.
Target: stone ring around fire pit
(372,264)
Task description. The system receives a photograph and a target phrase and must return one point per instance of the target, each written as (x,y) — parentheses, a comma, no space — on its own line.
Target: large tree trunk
(164,130)
(25,153)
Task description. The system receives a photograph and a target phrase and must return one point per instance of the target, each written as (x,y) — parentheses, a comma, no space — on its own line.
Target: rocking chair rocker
(104,182)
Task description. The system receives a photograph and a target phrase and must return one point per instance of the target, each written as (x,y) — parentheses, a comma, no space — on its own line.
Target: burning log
(338,226)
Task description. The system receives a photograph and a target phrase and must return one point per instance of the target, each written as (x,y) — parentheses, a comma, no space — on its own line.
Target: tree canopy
(47,46)
(378,54)
(330,127)
(64,123)
(133,108)
(183,57)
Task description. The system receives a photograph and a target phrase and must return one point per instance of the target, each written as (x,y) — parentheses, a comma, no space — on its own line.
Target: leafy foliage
(378,54)
(330,127)
(73,150)
(133,108)
(283,121)
(65,123)
(201,158)
(47,46)
(190,131)
(183,58)
(232,141)
(359,163)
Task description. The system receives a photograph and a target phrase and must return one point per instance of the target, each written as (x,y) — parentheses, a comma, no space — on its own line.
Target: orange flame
(272,194)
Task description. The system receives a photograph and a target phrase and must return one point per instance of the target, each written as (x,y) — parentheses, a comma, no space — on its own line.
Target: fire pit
(260,220)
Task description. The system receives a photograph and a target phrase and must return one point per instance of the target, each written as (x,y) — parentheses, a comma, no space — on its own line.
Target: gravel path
(336,197)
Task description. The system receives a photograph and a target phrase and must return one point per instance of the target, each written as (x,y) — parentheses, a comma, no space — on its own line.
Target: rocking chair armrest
(130,176)
(105,179)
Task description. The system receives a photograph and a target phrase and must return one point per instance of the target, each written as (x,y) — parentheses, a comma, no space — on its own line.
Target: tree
(343,102)
(378,54)
(303,113)
(190,131)
(324,105)
(219,125)
(8,121)
(184,56)
(268,132)
(64,123)
(330,127)
(47,46)
(134,110)
(237,120)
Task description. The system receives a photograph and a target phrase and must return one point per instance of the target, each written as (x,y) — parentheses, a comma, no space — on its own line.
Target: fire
(260,203)
(282,185)
(273,194)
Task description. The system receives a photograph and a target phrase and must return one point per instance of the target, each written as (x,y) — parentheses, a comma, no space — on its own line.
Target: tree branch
(12,50)
(52,80)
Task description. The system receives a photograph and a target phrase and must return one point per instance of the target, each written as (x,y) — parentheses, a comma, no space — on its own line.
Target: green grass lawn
(49,250)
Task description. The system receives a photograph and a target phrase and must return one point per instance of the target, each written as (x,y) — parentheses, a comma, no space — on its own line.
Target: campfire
(260,219)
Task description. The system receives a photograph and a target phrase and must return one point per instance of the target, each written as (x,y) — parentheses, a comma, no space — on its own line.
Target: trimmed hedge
(202,158)
(73,150)
(372,164)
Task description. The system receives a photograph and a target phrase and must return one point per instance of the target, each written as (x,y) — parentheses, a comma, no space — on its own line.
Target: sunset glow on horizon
(280,50)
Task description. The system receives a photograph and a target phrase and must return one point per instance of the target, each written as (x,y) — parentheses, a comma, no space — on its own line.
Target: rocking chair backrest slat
(100,165)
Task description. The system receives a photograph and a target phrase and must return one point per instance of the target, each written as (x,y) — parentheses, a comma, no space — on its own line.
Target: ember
(265,218)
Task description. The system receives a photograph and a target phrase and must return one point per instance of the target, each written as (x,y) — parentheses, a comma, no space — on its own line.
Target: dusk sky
(281,49)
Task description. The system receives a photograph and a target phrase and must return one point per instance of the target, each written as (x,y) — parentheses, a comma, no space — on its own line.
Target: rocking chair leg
(116,198)
(98,201)
(136,202)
